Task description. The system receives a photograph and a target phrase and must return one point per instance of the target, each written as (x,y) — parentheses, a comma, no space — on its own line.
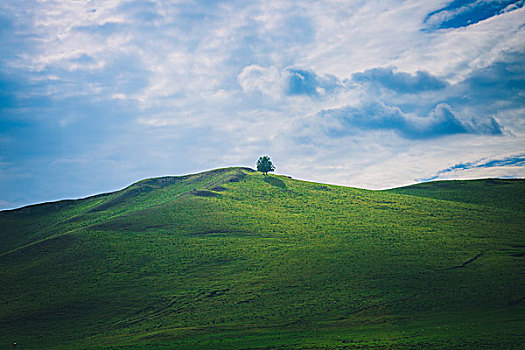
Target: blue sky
(95,95)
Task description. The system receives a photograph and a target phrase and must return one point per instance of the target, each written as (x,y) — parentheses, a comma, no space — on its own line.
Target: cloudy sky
(97,94)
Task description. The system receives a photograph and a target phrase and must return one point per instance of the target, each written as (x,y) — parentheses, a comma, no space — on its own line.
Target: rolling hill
(232,259)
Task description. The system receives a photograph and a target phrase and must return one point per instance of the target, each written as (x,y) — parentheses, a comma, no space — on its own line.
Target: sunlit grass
(234,259)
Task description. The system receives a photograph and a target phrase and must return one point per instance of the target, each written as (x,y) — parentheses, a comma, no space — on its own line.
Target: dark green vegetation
(265,165)
(232,259)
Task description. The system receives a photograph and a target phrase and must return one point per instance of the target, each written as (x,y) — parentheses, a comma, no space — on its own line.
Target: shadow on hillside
(274,181)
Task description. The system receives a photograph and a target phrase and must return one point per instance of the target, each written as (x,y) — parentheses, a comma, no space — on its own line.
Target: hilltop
(232,259)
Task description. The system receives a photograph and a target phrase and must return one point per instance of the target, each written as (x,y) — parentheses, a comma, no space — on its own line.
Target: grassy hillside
(498,193)
(231,259)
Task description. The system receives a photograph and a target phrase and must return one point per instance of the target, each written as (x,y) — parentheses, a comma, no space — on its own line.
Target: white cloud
(267,81)
(196,83)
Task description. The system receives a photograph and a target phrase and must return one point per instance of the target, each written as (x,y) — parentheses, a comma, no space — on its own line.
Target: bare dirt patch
(204,193)
(466,262)
(515,302)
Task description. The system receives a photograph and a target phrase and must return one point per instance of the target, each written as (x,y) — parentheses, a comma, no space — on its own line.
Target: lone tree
(264,165)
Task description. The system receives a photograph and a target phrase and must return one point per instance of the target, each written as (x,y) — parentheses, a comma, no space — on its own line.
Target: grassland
(231,259)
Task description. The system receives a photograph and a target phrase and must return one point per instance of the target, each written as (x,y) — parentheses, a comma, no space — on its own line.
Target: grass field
(232,259)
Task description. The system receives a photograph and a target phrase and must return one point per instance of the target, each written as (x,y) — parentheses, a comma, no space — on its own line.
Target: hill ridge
(166,180)
(232,259)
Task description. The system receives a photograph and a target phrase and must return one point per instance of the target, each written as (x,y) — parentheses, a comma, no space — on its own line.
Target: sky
(95,95)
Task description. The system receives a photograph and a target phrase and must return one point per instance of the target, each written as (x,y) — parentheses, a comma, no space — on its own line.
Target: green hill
(231,259)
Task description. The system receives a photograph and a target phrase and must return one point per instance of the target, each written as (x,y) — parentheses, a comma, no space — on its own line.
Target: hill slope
(233,259)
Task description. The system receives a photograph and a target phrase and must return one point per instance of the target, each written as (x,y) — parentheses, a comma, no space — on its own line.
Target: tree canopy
(265,165)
